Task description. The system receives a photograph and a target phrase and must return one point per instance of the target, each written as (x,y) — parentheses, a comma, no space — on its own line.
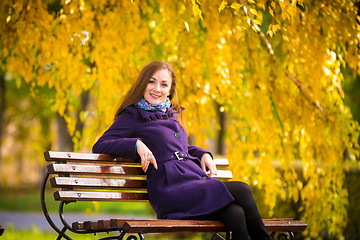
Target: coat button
(177,135)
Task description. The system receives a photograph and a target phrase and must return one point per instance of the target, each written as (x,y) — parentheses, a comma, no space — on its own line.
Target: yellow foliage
(273,125)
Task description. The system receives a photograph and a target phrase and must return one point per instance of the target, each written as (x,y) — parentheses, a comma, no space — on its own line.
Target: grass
(35,233)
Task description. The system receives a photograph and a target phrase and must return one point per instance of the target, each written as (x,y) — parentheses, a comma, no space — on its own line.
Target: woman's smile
(154,96)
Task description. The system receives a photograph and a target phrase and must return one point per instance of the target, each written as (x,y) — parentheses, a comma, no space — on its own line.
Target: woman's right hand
(146,155)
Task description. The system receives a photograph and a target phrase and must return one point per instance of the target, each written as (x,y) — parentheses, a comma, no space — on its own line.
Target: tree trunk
(65,140)
(84,98)
(220,144)
(2,108)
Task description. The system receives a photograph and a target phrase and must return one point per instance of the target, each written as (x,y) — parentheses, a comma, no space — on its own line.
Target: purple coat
(179,188)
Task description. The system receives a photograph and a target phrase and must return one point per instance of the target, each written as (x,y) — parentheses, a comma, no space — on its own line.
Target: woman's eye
(151,81)
(164,85)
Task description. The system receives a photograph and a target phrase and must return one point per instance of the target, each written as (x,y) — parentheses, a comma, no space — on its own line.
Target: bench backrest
(100,177)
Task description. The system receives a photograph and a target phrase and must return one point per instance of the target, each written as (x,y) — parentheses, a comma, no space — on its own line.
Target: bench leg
(63,235)
(45,211)
(122,235)
(282,236)
(217,236)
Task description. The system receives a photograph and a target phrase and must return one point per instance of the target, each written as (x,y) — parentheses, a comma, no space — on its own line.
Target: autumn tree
(275,69)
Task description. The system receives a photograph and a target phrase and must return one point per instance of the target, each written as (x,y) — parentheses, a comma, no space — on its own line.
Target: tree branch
(308,96)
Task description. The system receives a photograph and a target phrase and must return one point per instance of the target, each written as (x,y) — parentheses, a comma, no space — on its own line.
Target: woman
(147,128)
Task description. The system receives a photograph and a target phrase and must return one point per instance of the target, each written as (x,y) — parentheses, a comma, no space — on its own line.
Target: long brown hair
(137,90)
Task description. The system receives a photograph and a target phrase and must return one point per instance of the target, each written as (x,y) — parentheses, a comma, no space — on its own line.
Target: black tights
(241,217)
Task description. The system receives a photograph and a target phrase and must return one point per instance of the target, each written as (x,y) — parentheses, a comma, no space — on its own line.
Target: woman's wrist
(207,155)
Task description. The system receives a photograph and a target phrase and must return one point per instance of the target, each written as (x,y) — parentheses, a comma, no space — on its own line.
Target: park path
(28,220)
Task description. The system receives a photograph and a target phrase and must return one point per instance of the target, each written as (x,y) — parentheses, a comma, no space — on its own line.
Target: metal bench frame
(135,228)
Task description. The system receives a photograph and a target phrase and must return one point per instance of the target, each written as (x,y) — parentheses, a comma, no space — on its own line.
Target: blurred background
(271,85)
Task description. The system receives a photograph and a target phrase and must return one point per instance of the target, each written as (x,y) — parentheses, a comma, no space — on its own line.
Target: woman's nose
(157,87)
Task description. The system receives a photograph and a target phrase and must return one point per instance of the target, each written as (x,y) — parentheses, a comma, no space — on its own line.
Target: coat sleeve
(118,140)
(196,151)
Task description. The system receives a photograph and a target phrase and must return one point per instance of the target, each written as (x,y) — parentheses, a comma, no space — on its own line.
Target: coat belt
(179,156)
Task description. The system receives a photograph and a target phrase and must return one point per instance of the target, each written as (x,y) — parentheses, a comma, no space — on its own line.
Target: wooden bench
(2,229)
(100,177)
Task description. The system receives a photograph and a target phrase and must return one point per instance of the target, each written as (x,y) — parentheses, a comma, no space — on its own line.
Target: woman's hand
(208,162)
(146,155)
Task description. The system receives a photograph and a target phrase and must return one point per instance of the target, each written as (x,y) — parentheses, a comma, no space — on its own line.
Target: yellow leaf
(296,196)
(271,12)
(299,185)
(197,11)
(236,6)
(222,6)
(88,211)
(253,11)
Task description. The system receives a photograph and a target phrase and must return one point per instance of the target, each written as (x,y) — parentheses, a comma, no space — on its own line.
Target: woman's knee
(245,187)
(233,214)
(238,188)
(237,212)
(234,218)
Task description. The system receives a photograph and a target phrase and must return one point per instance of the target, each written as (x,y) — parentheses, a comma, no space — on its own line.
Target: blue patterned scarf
(143,104)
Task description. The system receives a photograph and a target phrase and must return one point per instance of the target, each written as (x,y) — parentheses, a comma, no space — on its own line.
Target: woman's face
(158,88)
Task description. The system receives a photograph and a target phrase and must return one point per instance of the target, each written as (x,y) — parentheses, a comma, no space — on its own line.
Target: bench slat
(278,225)
(94,169)
(159,226)
(84,157)
(101,225)
(99,196)
(112,170)
(221,162)
(104,158)
(148,226)
(223,175)
(77,226)
(93,183)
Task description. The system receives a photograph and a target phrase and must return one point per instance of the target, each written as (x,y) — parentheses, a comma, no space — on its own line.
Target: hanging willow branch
(266,42)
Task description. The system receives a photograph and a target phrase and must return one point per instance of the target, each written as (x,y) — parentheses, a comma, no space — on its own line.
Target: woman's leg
(234,218)
(245,199)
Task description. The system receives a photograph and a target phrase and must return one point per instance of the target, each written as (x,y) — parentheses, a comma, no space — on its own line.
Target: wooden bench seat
(155,226)
(100,177)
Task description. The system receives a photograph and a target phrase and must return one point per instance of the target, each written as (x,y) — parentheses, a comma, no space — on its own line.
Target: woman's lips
(154,96)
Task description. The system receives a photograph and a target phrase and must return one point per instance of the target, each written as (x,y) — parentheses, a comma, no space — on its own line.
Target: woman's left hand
(208,162)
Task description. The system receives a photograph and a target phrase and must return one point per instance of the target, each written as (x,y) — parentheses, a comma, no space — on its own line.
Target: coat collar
(156,115)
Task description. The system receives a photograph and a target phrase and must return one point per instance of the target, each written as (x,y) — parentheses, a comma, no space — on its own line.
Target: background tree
(275,69)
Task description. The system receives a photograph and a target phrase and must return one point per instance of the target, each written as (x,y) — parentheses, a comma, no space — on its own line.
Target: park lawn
(35,233)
